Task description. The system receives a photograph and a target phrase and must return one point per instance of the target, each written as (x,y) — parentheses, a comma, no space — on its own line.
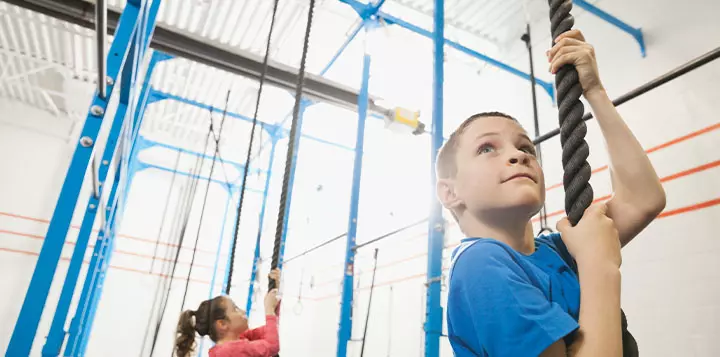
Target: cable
(249,150)
(291,145)
(536,120)
(167,203)
(367,316)
(186,218)
(575,150)
(207,190)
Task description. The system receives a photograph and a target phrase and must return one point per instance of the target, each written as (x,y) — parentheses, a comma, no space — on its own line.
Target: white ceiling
(50,64)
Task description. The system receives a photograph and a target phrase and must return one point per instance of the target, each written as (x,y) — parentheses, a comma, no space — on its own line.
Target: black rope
(575,150)
(292,143)
(249,150)
(164,213)
(186,218)
(207,190)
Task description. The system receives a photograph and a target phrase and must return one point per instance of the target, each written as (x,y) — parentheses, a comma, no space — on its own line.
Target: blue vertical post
(77,322)
(256,257)
(436,226)
(345,329)
(304,104)
(105,255)
(57,334)
(37,293)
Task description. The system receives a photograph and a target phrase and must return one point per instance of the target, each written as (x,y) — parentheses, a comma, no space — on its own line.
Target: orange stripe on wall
(657,148)
(140,239)
(25,252)
(120,251)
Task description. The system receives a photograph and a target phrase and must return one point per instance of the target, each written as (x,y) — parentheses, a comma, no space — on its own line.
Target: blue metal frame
(56,336)
(366,11)
(256,257)
(48,259)
(636,33)
(436,224)
(271,128)
(345,329)
(77,326)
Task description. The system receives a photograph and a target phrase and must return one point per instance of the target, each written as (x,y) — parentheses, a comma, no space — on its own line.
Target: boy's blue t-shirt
(503,303)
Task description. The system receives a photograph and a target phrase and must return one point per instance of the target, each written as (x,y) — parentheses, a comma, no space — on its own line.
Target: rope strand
(292,143)
(249,150)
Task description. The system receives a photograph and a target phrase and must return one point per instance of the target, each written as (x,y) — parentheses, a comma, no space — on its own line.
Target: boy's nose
(519,158)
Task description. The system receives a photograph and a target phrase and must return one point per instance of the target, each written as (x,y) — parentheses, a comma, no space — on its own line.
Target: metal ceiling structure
(202,48)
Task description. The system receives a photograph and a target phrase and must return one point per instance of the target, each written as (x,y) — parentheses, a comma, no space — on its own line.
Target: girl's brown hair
(201,321)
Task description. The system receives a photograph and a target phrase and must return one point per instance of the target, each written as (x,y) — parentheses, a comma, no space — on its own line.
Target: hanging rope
(575,150)
(291,146)
(249,150)
(207,190)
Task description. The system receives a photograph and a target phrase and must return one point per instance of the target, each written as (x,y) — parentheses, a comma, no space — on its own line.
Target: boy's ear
(446,193)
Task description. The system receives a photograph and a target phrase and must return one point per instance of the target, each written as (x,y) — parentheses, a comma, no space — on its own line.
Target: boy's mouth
(520,176)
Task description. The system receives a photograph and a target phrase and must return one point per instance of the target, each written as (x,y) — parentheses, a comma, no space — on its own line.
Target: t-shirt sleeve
(263,341)
(495,304)
(554,240)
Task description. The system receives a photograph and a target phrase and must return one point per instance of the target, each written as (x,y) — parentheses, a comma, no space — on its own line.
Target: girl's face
(235,322)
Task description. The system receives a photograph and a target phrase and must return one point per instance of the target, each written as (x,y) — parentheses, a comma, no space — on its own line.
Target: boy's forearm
(635,183)
(600,331)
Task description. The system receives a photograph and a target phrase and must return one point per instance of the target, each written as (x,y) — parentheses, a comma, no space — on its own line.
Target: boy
(515,295)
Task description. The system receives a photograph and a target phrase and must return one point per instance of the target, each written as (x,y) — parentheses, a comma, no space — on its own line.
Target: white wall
(668,272)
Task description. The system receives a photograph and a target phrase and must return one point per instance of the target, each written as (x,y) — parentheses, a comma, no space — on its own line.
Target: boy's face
(497,171)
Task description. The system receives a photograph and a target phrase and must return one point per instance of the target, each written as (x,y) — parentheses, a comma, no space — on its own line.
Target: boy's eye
(486,149)
(529,150)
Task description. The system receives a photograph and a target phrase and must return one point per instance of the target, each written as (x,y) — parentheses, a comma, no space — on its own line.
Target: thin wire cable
(207,190)
(249,150)
(180,242)
(164,213)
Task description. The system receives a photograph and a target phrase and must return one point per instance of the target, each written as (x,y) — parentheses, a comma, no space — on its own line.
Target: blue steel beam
(261,219)
(37,293)
(636,33)
(436,227)
(143,166)
(273,129)
(78,323)
(345,328)
(56,336)
(146,144)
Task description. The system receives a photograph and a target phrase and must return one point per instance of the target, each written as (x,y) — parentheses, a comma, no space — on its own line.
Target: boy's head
(488,170)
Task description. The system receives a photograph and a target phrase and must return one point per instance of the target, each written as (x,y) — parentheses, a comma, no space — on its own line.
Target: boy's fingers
(576,34)
(566,41)
(568,58)
(562,224)
(564,50)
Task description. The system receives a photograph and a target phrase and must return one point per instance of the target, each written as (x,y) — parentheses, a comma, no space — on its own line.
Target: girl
(227,326)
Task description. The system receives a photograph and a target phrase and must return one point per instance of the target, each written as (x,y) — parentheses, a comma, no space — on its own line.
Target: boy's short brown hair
(446,165)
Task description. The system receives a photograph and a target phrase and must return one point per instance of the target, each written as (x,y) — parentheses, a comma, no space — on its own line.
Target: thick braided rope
(291,145)
(575,150)
(249,150)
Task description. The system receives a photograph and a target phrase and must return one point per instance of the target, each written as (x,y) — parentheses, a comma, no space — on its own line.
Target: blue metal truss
(119,60)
